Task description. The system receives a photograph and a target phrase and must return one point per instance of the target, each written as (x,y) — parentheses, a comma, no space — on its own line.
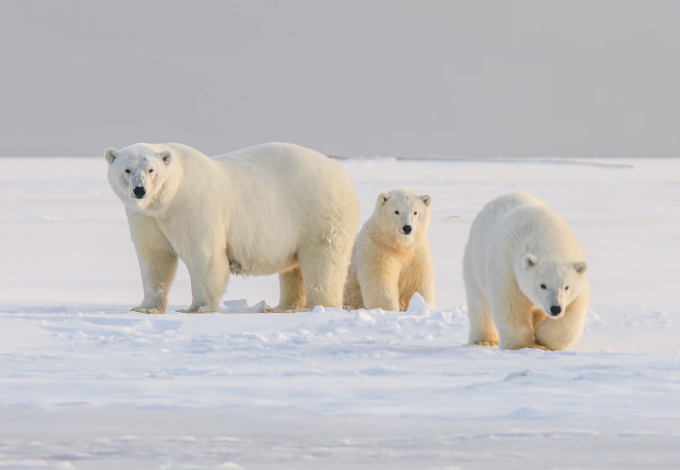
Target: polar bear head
(404,214)
(550,284)
(140,175)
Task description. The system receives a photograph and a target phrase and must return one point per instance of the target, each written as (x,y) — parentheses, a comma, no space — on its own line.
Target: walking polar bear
(525,276)
(272,208)
(391,258)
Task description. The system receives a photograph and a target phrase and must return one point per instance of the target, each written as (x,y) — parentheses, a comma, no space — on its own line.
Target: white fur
(516,244)
(388,265)
(272,208)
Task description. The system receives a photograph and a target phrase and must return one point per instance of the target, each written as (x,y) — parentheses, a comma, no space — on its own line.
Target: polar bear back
(289,170)
(281,195)
(514,225)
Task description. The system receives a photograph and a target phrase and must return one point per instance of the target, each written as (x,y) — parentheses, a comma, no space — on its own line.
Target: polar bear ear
(581,267)
(165,156)
(529,261)
(111,155)
(382,199)
(427,200)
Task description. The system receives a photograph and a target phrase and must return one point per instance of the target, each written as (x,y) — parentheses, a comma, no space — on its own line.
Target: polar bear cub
(272,208)
(391,258)
(525,276)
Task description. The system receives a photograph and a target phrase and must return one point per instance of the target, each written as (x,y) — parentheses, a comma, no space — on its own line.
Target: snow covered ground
(86,384)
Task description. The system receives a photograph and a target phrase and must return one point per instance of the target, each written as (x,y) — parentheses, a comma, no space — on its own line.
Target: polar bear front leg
(512,314)
(379,282)
(418,276)
(482,329)
(158,270)
(209,275)
(562,332)
(157,262)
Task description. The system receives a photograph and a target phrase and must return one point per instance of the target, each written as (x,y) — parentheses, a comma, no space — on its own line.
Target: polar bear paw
(268,309)
(201,309)
(150,310)
(486,343)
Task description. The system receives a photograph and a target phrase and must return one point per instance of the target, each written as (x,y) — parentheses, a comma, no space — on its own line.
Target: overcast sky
(346,77)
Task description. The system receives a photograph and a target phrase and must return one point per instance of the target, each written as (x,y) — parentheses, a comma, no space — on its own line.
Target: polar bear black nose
(407,229)
(139,192)
(555,309)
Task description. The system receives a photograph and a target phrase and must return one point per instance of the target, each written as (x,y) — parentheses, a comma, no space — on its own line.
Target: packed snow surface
(84,383)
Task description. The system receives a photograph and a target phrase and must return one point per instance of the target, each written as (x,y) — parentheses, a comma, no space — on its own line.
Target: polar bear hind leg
(324,271)
(292,291)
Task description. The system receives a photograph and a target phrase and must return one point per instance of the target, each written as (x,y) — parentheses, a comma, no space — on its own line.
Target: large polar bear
(522,264)
(272,208)
(391,258)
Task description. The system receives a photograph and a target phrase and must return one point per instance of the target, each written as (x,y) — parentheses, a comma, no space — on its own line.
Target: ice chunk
(363,317)
(418,305)
(234,306)
(241,306)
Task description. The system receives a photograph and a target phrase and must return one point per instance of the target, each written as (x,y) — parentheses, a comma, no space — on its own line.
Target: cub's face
(137,174)
(405,212)
(550,285)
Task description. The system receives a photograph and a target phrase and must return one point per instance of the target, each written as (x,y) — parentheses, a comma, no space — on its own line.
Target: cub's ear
(529,261)
(581,267)
(382,199)
(111,155)
(427,200)
(165,156)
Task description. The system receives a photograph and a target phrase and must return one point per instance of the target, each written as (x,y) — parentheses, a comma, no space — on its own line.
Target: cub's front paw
(267,309)
(486,343)
(151,310)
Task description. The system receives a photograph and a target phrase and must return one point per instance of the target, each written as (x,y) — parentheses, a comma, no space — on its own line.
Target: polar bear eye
(396,212)
(128,171)
(543,286)
(150,170)
(415,213)
(566,288)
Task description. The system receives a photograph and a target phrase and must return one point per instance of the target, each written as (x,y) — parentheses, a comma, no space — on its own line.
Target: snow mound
(418,305)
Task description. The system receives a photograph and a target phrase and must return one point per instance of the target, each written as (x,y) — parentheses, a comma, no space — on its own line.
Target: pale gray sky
(346,77)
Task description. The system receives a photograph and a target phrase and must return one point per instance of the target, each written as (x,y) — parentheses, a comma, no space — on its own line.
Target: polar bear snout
(139,192)
(407,229)
(555,310)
